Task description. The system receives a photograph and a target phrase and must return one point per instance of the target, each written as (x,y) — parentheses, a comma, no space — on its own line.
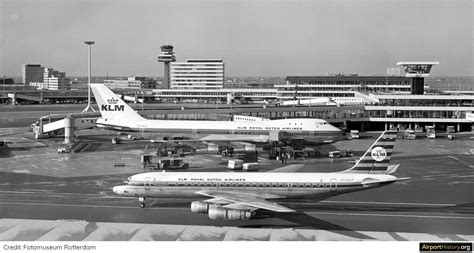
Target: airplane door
(289,186)
(333,185)
(147,183)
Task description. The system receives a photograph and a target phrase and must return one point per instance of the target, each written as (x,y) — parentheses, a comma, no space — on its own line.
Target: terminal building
(197,74)
(363,102)
(133,83)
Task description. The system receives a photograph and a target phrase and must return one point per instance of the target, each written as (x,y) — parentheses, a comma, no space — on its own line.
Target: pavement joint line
(52,193)
(324,201)
(387,203)
(461,161)
(435,150)
(398,215)
(324,213)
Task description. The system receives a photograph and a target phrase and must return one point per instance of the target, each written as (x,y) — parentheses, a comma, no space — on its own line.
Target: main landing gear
(142,202)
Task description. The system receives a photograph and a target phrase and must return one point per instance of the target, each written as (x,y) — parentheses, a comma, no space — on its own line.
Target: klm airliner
(238,196)
(117,115)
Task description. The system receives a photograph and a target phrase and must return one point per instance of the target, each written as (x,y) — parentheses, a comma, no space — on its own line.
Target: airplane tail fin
(377,157)
(111,106)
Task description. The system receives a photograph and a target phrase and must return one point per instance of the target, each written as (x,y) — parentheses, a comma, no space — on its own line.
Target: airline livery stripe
(294,185)
(369,158)
(385,146)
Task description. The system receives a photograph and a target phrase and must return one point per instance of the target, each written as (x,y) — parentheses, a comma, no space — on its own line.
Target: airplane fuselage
(238,196)
(261,185)
(311,130)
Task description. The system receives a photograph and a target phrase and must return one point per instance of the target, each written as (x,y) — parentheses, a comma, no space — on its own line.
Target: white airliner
(238,196)
(117,115)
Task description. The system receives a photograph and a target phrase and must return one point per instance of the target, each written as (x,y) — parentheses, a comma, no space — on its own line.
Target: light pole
(89,43)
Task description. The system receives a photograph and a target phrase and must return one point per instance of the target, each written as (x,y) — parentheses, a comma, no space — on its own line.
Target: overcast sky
(254,38)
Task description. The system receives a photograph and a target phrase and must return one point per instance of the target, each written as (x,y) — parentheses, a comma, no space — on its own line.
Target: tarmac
(49,196)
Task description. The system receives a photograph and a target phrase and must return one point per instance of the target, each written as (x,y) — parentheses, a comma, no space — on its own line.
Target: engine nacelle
(250,148)
(200,207)
(284,137)
(212,148)
(220,213)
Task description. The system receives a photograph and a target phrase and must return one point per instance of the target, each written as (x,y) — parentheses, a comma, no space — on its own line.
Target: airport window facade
(203,73)
(373,84)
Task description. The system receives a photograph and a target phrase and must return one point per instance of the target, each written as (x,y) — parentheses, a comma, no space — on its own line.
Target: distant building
(197,73)
(31,73)
(55,80)
(51,80)
(6,81)
(393,72)
(134,82)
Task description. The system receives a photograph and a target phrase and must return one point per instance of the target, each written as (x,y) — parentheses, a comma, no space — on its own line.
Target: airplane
(118,116)
(238,196)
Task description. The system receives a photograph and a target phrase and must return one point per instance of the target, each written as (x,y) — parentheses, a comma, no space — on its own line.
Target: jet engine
(212,148)
(200,207)
(284,137)
(220,213)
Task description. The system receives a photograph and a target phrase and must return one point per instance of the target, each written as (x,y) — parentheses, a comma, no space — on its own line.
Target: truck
(174,163)
(409,134)
(64,150)
(235,164)
(250,166)
(116,140)
(355,134)
(335,154)
(430,132)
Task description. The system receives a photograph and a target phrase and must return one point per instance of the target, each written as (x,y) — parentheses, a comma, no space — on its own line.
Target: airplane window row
(223,185)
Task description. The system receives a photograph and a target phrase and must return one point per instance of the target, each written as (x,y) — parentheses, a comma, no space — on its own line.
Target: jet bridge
(57,124)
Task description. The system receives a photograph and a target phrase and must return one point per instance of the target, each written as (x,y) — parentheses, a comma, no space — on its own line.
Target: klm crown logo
(112,101)
(112,106)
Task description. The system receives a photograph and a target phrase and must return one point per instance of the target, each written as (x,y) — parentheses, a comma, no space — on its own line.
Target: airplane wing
(243,201)
(289,168)
(225,138)
(235,137)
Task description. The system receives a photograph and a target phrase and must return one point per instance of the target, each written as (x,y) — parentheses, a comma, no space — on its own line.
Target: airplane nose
(116,189)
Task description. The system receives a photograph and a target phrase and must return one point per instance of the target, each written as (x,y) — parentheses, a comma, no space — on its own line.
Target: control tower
(166,56)
(417,71)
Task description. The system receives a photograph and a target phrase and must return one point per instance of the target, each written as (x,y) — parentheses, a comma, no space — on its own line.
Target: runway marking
(56,193)
(387,203)
(21,171)
(324,213)
(435,150)
(461,161)
(397,215)
(75,205)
